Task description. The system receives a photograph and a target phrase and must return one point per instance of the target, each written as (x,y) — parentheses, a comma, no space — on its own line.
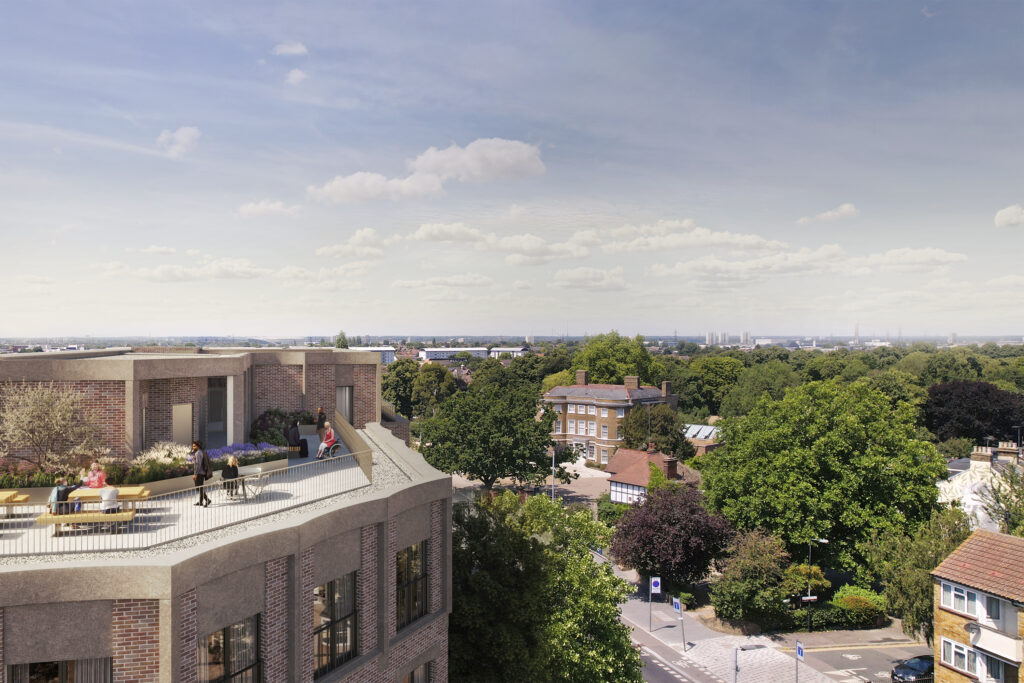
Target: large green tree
(972,410)
(716,375)
(772,377)
(558,609)
(829,460)
(752,584)
(433,384)
(47,426)
(341,341)
(608,358)
(490,431)
(397,385)
(657,424)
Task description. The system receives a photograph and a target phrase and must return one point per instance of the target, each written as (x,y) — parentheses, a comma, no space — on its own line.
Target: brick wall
(274,629)
(277,386)
(161,395)
(402,656)
(135,635)
(307,661)
(105,400)
(366,590)
(399,427)
(320,388)
(389,578)
(364,395)
(947,625)
(434,558)
(188,663)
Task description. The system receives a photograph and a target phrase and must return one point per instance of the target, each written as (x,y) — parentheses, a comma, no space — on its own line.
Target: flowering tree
(47,426)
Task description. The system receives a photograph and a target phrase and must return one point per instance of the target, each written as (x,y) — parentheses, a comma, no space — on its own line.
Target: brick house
(589,416)
(354,586)
(631,473)
(979,610)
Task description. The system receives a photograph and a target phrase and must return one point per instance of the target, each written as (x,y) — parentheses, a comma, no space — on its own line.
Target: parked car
(914,670)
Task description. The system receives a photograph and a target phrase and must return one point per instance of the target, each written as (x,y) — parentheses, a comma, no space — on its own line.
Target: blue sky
(518,168)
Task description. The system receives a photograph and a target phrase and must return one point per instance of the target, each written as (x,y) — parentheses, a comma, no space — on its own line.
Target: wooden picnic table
(10,498)
(128,494)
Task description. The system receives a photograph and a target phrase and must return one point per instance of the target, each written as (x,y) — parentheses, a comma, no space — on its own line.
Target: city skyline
(793,168)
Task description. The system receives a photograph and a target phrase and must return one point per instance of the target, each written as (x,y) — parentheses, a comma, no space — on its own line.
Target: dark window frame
(415,585)
(225,632)
(335,625)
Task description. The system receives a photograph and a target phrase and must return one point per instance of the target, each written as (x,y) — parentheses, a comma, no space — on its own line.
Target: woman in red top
(329,440)
(97,478)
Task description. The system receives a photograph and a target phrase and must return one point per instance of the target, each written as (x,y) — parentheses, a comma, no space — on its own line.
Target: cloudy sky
(519,168)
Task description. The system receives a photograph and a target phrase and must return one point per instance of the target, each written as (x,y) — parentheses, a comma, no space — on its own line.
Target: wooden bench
(11,501)
(114,519)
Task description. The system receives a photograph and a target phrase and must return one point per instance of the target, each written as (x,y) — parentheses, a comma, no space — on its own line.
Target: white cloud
(264,207)
(448,232)
(209,269)
(157,249)
(1010,216)
(912,259)
(482,160)
(362,244)
(665,235)
(461,280)
(295,76)
(522,284)
(519,249)
(595,278)
(290,47)
(364,185)
(803,261)
(176,144)
(841,211)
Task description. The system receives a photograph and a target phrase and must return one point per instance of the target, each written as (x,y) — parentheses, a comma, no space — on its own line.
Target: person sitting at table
(108,500)
(329,440)
(229,474)
(58,503)
(96,478)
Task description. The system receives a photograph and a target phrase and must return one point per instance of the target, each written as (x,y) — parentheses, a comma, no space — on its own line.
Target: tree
(671,535)
(609,358)
(1003,501)
(752,584)
(716,376)
(829,460)
(973,410)
(772,377)
(432,385)
(47,426)
(341,342)
(657,424)
(559,617)
(950,366)
(903,564)
(898,386)
(490,432)
(396,386)
(562,378)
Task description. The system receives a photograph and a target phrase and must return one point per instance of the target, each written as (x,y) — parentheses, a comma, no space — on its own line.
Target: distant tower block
(952,338)
(709,338)
(856,334)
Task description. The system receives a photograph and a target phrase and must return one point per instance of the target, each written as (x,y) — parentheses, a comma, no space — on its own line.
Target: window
(420,674)
(604,431)
(231,654)
(410,584)
(959,599)
(604,456)
(581,409)
(993,667)
(572,426)
(558,408)
(620,413)
(593,428)
(557,426)
(572,407)
(618,433)
(604,412)
(992,607)
(959,656)
(592,410)
(334,623)
(71,671)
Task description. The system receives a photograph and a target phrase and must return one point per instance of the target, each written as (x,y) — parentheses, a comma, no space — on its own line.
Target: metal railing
(160,519)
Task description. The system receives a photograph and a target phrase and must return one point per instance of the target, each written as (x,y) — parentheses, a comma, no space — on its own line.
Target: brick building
(208,394)
(979,610)
(589,416)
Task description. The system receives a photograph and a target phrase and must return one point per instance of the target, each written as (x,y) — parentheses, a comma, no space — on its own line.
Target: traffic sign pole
(799,658)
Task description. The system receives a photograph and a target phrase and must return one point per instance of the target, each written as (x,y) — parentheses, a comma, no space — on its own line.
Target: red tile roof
(988,561)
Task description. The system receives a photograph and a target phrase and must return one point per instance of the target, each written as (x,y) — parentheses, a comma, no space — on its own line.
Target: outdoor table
(127,494)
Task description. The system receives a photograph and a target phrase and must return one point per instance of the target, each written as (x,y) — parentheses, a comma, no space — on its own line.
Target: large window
(420,675)
(231,654)
(572,408)
(604,431)
(604,412)
(557,426)
(593,428)
(334,623)
(410,584)
(572,426)
(959,599)
(620,413)
(959,656)
(72,671)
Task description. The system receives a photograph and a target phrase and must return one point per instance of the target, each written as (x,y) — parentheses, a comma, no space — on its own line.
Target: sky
(519,168)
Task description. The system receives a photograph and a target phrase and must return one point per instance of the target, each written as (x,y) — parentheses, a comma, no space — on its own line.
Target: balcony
(997,643)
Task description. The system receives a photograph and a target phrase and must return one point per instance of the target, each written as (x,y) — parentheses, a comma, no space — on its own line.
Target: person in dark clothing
(295,440)
(58,502)
(229,474)
(321,421)
(201,471)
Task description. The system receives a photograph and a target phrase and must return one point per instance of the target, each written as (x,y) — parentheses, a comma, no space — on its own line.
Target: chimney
(666,388)
(981,457)
(651,448)
(670,467)
(631,382)
(581,377)
(1007,451)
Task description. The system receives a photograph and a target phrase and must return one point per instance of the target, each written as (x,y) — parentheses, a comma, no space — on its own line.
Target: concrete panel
(181,421)
(229,599)
(57,631)
(413,527)
(335,557)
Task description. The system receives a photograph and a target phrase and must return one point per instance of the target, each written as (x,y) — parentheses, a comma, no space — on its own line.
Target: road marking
(665,665)
(867,646)
(852,658)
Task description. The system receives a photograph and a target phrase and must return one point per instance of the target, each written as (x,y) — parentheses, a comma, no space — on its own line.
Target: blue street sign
(675,605)
(799,651)
(655,584)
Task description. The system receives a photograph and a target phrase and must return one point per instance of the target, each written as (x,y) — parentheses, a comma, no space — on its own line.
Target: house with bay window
(979,610)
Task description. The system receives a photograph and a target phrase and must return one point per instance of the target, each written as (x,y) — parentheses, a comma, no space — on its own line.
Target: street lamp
(813,540)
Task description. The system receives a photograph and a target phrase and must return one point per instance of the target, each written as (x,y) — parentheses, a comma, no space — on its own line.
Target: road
(856,665)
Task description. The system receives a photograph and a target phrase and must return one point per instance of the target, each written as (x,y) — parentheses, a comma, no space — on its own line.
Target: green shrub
(269,427)
(608,512)
(850,589)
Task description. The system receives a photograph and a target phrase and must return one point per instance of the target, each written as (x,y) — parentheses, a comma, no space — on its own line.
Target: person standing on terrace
(321,421)
(201,471)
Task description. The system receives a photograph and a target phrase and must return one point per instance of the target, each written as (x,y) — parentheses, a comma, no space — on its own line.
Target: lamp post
(552,474)
(811,541)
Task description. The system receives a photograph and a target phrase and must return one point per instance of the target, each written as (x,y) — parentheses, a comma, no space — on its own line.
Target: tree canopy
(772,377)
(716,375)
(47,426)
(973,410)
(658,424)
(609,358)
(828,460)
(559,609)
(341,341)
(433,384)
(752,584)
(397,385)
(671,535)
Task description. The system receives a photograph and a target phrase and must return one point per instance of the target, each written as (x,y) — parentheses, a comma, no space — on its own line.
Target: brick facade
(277,386)
(950,625)
(366,590)
(365,388)
(399,427)
(307,661)
(320,388)
(434,602)
(274,629)
(402,655)
(135,636)
(160,395)
(390,576)
(188,662)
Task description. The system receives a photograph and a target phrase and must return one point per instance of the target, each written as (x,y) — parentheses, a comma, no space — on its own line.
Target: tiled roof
(989,561)
(606,391)
(637,473)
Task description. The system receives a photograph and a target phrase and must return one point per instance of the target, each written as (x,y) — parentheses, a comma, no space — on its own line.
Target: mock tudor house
(979,610)
(589,416)
(331,570)
(631,473)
